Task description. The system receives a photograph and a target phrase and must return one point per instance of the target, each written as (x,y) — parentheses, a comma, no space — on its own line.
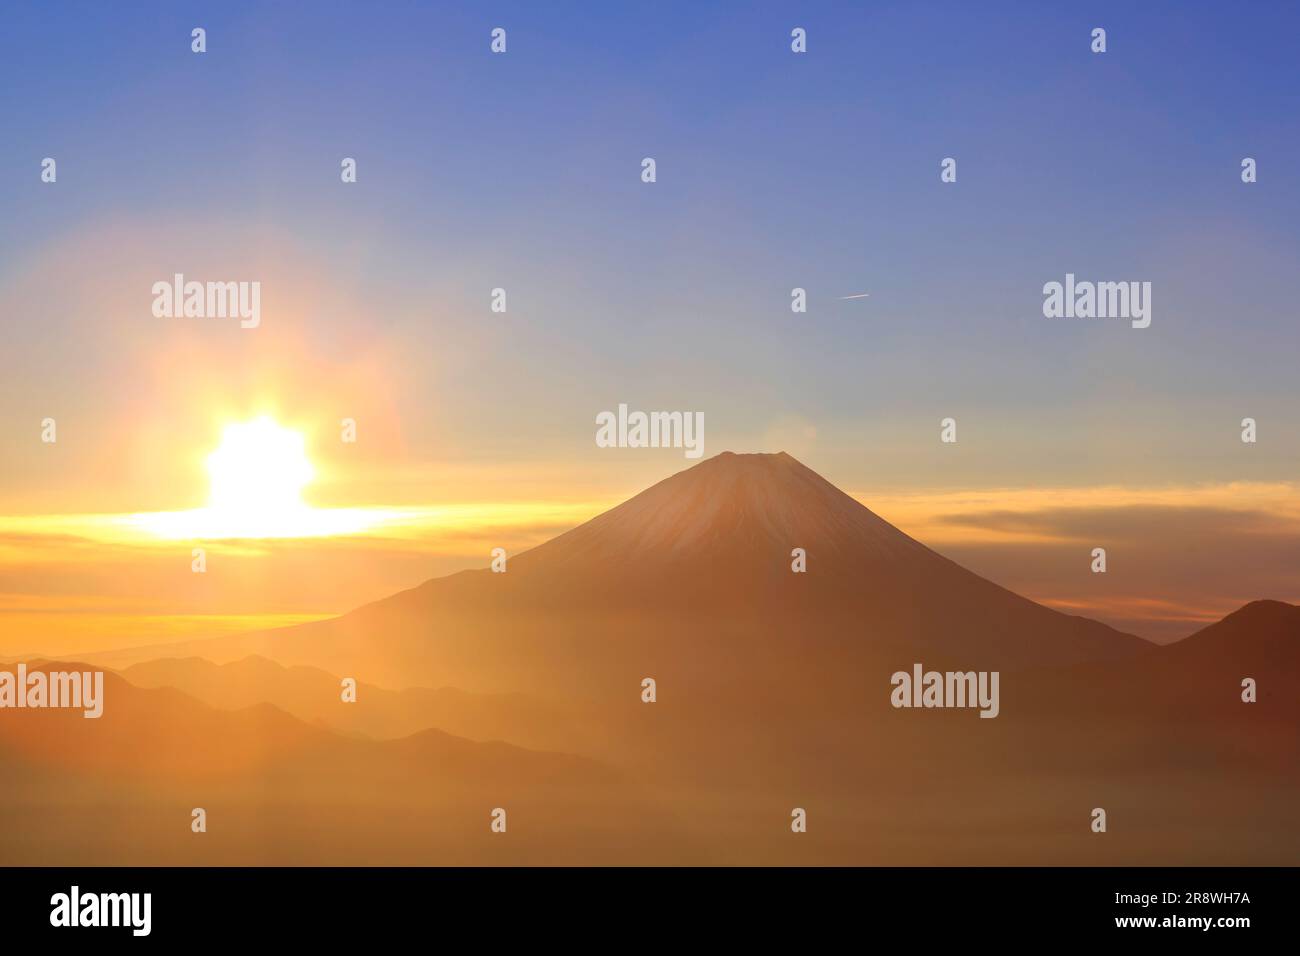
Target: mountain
(1188,772)
(314,696)
(1197,678)
(120,789)
(692,579)
(166,732)
(1261,638)
(773,692)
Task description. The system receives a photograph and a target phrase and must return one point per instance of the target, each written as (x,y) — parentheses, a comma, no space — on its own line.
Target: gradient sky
(774,171)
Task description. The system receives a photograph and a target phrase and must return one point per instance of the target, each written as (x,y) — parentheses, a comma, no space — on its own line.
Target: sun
(258,472)
(256,476)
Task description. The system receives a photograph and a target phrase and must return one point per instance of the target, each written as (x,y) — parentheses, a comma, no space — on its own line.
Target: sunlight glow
(258,471)
(256,478)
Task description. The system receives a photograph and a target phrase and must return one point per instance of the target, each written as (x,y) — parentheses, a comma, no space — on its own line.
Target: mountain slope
(1263,635)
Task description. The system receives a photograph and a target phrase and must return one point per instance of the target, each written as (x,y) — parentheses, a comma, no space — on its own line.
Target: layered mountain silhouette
(121,789)
(312,695)
(773,692)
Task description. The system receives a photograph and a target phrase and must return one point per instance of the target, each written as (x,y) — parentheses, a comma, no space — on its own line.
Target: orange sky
(1179,556)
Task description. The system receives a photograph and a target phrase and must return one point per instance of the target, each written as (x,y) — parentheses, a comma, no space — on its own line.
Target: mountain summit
(739,509)
(695,573)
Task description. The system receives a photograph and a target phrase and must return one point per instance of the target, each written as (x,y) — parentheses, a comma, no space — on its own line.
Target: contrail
(860,295)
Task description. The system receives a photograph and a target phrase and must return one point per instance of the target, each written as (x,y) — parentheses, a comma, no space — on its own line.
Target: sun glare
(256,476)
(258,472)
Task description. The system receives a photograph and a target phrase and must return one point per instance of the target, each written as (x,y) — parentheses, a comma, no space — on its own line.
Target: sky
(522,171)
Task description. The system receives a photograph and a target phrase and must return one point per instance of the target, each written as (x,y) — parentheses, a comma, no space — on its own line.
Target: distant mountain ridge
(312,695)
(121,790)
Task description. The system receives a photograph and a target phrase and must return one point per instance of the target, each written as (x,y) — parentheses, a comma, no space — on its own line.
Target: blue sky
(775,170)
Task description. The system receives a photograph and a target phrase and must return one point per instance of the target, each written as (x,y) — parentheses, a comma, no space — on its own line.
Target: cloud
(1131,524)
